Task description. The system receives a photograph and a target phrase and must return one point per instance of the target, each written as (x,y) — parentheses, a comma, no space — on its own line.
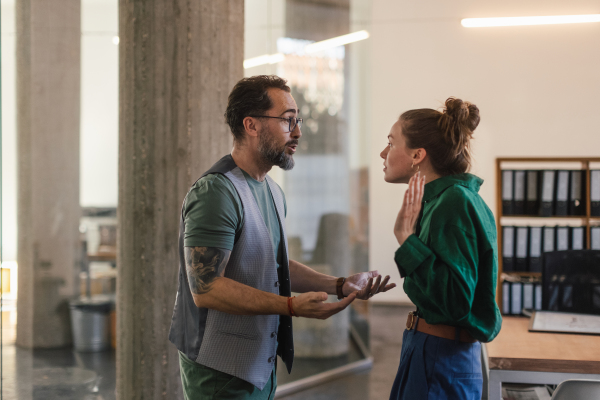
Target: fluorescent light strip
(264,59)
(519,21)
(336,41)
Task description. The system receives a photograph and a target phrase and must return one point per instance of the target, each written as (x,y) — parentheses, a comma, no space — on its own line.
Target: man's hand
(367,284)
(312,305)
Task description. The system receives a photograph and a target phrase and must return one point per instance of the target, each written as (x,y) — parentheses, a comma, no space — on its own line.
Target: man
(233,311)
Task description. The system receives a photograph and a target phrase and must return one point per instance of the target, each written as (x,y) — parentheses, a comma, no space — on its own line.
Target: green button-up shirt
(450,265)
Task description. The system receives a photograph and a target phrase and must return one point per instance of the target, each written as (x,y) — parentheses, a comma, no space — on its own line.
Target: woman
(447,255)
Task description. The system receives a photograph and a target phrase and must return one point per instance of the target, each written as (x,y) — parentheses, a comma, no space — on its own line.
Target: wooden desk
(520,356)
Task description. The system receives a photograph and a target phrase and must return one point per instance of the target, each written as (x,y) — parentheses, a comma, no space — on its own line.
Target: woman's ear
(250,126)
(419,156)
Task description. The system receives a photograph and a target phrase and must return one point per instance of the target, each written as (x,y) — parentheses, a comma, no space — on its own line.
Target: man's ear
(251,126)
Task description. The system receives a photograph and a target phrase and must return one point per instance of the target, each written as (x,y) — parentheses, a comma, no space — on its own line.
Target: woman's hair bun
(445,135)
(463,113)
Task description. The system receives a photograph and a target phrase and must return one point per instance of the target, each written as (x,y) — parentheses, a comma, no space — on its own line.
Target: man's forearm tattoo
(204,265)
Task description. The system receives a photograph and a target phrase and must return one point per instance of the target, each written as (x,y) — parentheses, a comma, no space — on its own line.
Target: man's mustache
(293,142)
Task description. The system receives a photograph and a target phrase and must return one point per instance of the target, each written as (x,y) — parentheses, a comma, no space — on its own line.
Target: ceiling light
(115,39)
(336,41)
(264,59)
(519,21)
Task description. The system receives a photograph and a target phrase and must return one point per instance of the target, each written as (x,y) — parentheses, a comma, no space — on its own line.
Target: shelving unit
(540,163)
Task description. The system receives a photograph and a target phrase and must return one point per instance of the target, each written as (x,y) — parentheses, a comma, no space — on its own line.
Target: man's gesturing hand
(367,284)
(312,305)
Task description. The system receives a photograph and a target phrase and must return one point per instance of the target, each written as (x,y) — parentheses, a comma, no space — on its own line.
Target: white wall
(537,88)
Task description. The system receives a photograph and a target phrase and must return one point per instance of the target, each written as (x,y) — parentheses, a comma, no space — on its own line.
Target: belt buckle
(412,317)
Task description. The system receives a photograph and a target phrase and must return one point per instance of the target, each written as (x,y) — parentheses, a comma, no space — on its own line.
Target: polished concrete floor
(386,325)
(67,375)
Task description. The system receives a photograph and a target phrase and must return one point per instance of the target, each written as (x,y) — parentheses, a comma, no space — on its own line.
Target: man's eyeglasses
(292,121)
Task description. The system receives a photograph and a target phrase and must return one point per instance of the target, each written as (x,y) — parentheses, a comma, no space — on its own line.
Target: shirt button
(271,359)
(273,334)
(277,284)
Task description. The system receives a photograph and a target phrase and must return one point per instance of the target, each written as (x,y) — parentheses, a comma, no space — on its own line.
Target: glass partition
(326,192)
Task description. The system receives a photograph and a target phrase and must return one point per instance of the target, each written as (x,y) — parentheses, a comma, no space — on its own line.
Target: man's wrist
(339,287)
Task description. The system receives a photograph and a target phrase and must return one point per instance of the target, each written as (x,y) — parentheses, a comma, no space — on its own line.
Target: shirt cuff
(410,255)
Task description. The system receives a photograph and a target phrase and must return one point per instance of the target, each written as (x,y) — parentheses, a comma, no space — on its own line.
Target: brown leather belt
(443,331)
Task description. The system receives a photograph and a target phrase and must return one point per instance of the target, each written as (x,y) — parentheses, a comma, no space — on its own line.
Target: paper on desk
(548,321)
(523,392)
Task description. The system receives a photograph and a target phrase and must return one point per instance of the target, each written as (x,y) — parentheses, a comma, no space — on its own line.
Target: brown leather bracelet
(339,286)
(290,309)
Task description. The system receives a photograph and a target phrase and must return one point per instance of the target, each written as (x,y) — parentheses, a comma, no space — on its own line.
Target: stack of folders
(519,294)
(548,192)
(522,246)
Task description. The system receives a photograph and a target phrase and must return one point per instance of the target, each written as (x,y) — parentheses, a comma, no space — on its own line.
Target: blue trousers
(433,368)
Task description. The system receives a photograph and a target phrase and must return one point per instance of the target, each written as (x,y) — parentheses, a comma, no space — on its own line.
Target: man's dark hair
(249,97)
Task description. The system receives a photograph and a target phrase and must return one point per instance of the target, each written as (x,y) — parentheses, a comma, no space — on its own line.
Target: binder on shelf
(596,298)
(577,238)
(508,248)
(535,249)
(519,193)
(561,206)
(562,238)
(538,297)
(547,204)
(549,236)
(521,248)
(567,296)
(505,297)
(516,298)
(507,192)
(532,205)
(595,238)
(528,295)
(595,192)
(576,195)
(553,304)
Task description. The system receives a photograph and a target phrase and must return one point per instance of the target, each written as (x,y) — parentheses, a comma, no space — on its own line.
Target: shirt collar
(434,188)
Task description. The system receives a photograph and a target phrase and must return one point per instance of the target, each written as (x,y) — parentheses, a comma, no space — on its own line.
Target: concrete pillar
(179,59)
(48,92)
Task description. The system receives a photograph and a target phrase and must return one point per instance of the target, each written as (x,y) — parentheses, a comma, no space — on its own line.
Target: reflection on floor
(67,375)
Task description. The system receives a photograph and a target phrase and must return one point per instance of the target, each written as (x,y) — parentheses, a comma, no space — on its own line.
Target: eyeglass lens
(293,122)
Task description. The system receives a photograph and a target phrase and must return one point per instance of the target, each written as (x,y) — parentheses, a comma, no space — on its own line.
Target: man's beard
(274,155)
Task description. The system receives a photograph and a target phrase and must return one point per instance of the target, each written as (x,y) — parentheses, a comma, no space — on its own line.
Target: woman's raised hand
(406,222)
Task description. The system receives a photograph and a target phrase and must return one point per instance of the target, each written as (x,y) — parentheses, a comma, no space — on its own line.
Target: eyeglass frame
(297,124)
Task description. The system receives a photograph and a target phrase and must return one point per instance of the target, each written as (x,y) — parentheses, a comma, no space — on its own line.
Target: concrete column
(48,92)
(179,59)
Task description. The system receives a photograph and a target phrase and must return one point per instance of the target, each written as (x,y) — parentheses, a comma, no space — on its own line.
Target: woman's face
(398,158)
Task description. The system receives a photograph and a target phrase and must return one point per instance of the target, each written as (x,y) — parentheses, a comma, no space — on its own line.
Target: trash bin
(90,323)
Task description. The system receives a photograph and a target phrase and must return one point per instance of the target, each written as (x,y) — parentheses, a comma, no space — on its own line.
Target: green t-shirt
(214,214)
(451,263)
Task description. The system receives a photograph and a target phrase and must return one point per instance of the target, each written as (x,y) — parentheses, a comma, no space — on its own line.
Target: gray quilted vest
(241,345)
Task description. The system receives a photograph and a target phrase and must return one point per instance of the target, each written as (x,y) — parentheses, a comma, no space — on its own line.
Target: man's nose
(297,133)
